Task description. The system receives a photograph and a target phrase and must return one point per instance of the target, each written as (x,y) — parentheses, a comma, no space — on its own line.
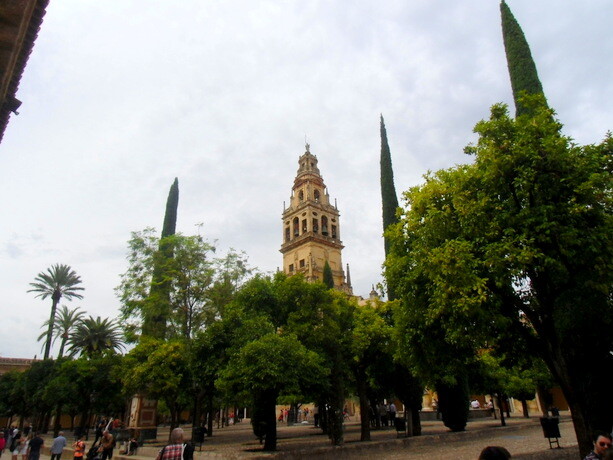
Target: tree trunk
(377,417)
(62,345)
(416,422)
(323,417)
(364,406)
(507,405)
(524,406)
(270,443)
(408,419)
(210,416)
(57,425)
(46,416)
(195,411)
(56,299)
(502,420)
(336,426)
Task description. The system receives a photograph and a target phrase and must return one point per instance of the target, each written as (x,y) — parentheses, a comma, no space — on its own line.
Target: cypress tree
(388,193)
(154,323)
(522,68)
(328,278)
(172,204)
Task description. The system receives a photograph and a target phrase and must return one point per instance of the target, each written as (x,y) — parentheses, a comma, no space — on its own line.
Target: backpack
(188,451)
(15,442)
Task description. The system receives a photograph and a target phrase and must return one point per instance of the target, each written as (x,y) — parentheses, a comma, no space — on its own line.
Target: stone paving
(522,437)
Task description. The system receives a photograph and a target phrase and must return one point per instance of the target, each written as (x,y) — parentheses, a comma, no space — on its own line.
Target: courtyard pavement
(523,437)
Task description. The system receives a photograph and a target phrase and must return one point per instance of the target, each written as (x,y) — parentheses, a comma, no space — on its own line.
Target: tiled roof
(20,21)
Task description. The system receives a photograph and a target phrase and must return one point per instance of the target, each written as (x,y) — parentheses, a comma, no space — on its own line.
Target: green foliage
(518,380)
(521,240)
(197,285)
(65,322)
(273,362)
(155,319)
(94,337)
(283,311)
(160,370)
(28,395)
(84,385)
(453,400)
(328,279)
(59,281)
(522,69)
(388,190)
(172,205)
(267,367)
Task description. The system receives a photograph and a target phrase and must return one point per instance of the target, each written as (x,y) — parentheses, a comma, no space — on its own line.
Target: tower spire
(348,276)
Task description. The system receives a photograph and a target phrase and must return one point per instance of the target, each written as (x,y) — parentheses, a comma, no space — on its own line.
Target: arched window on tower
(324,225)
(315,225)
(316,195)
(304,225)
(301,195)
(287,233)
(333,231)
(296,227)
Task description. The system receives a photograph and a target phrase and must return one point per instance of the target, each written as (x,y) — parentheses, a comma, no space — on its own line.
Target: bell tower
(311,227)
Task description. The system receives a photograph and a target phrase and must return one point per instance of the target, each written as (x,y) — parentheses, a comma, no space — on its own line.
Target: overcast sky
(120,97)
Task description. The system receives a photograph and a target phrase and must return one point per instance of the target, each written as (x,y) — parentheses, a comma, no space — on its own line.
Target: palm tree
(95,336)
(65,322)
(57,282)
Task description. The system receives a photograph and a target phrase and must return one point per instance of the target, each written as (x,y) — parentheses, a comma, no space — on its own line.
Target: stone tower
(311,227)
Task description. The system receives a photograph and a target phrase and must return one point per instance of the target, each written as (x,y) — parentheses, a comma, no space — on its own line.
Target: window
(296,229)
(324,225)
(287,233)
(316,195)
(291,268)
(334,231)
(301,263)
(304,225)
(301,195)
(315,225)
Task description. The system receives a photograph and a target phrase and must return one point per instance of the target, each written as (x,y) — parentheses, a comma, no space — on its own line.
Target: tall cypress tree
(522,69)
(154,324)
(172,204)
(388,193)
(328,278)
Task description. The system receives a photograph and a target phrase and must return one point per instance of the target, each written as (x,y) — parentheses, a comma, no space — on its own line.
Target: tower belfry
(311,227)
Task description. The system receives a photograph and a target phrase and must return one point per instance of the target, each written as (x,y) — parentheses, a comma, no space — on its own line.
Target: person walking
(79,448)
(36,443)
(58,446)
(15,445)
(392,413)
(106,445)
(24,447)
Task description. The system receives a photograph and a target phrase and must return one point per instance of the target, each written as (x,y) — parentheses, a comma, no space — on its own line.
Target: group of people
(386,413)
(29,443)
(302,415)
(602,450)
(21,442)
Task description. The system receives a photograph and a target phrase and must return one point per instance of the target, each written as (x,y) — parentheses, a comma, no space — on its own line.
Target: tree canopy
(520,237)
(58,281)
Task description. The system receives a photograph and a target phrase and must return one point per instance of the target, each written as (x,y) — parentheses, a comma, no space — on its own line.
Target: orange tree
(520,238)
